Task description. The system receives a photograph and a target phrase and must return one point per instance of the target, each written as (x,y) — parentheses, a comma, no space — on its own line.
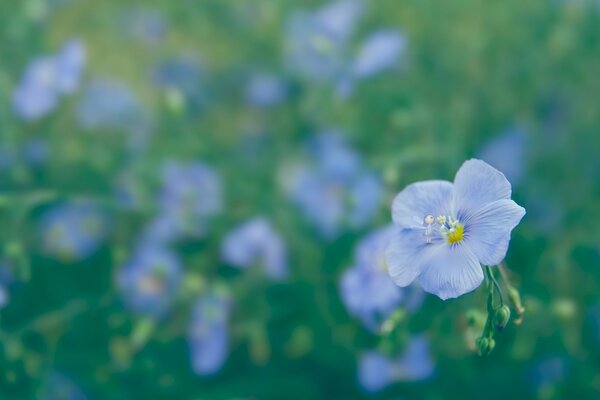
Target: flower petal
(487,230)
(405,253)
(476,184)
(420,199)
(451,271)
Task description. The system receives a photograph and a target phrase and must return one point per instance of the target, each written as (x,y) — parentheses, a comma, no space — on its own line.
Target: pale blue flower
(56,386)
(145,24)
(265,90)
(4,296)
(208,333)
(191,194)
(48,78)
(256,242)
(507,153)
(336,190)
(150,280)
(448,230)
(316,42)
(377,371)
(36,152)
(181,77)
(108,104)
(367,289)
(73,231)
(548,372)
(380,51)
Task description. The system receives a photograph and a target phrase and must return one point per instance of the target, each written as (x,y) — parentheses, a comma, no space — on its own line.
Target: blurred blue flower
(46,79)
(181,79)
(4,297)
(335,190)
(448,230)
(191,194)
(73,231)
(208,333)
(56,386)
(316,42)
(367,289)
(145,24)
(376,371)
(36,152)
(381,50)
(265,90)
(547,373)
(256,242)
(150,280)
(507,153)
(108,104)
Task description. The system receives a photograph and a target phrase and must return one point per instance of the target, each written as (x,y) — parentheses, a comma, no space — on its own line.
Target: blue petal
(405,254)
(451,271)
(487,230)
(476,184)
(420,199)
(416,362)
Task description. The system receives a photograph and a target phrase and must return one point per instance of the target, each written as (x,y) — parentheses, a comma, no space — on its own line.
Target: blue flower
(208,333)
(507,153)
(376,371)
(335,190)
(147,25)
(72,232)
(380,51)
(36,152)
(256,242)
(57,386)
(46,79)
(316,42)
(367,289)
(181,79)
(108,104)
(150,280)
(265,90)
(191,194)
(448,230)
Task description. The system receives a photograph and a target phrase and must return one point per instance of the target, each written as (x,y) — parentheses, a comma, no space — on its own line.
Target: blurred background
(194,196)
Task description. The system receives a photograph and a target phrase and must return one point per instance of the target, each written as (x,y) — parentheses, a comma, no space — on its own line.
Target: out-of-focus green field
(188,118)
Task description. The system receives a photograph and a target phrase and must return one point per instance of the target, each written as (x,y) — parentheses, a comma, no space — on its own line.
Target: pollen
(455,235)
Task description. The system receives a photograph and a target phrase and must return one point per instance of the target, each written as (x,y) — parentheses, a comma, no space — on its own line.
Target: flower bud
(515,298)
(501,317)
(485,345)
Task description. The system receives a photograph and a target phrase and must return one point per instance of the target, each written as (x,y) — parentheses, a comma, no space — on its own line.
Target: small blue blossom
(46,79)
(507,153)
(256,242)
(181,78)
(191,194)
(316,42)
(377,371)
(108,104)
(150,280)
(335,190)
(56,386)
(547,373)
(4,297)
(265,90)
(367,289)
(36,152)
(73,231)
(380,51)
(208,333)
(146,25)
(449,230)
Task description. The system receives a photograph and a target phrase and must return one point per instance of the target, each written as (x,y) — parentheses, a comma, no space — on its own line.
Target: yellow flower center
(455,234)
